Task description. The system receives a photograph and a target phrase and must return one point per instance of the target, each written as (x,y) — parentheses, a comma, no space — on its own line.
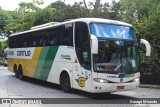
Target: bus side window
(14,43)
(25,40)
(41,38)
(42,41)
(25,44)
(34,39)
(11,42)
(66,35)
(34,43)
(52,37)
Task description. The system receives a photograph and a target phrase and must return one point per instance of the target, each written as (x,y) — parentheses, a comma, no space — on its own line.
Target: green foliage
(64,12)
(20,24)
(44,16)
(132,10)
(3,45)
(4,15)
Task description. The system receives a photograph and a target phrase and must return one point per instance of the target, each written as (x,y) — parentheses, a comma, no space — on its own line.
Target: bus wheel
(15,71)
(20,73)
(65,83)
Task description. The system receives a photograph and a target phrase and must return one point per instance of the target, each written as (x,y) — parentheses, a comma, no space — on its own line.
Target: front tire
(65,83)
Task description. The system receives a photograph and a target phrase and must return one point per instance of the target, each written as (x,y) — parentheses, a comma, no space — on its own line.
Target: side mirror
(94,44)
(148,46)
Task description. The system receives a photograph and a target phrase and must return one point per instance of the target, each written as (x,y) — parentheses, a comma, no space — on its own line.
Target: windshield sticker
(133,63)
(121,43)
(76,68)
(81,81)
(85,54)
(86,74)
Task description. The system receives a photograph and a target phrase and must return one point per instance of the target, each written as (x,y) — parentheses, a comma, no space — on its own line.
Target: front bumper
(112,87)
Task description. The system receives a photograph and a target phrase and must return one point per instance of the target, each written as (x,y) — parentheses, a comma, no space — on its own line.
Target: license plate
(120,87)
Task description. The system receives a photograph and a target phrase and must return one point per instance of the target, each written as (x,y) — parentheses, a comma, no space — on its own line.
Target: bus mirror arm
(94,44)
(148,46)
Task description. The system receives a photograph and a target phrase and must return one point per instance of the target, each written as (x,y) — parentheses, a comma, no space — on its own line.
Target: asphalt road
(11,87)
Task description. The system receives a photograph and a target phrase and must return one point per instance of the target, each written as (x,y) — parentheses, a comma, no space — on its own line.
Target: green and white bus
(89,54)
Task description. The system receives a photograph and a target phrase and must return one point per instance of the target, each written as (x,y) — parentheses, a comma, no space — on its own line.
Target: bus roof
(87,20)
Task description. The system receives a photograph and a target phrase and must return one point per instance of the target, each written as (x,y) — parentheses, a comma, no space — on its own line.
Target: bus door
(82,64)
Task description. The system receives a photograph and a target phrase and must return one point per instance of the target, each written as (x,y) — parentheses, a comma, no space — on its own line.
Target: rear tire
(65,83)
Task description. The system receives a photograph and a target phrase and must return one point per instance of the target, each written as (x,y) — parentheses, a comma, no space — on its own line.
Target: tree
(44,16)
(65,12)
(25,15)
(84,1)
(4,15)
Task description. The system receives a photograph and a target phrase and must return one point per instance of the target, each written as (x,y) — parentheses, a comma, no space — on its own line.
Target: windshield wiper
(130,66)
(125,56)
(117,67)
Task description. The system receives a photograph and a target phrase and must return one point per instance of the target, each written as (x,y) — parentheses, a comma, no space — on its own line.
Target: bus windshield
(117,50)
(111,31)
(114,58)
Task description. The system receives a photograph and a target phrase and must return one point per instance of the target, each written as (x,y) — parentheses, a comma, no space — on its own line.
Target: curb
(149,86)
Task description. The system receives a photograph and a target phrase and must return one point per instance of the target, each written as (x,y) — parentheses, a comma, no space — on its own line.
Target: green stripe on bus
(48,62)
(121,75)
(41,61)
(127,76)
(124,76)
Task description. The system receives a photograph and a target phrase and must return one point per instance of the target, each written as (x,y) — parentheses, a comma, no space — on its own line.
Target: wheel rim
(66,83)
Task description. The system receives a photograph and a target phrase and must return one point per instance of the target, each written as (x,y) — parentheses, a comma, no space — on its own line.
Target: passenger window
(52,37)
(66,35)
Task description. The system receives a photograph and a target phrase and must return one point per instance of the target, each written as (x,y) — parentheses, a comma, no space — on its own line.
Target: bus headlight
(100,80)
(136,80)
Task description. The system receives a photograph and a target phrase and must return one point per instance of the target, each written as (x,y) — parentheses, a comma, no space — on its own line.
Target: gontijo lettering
(23,53)
(10,52)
